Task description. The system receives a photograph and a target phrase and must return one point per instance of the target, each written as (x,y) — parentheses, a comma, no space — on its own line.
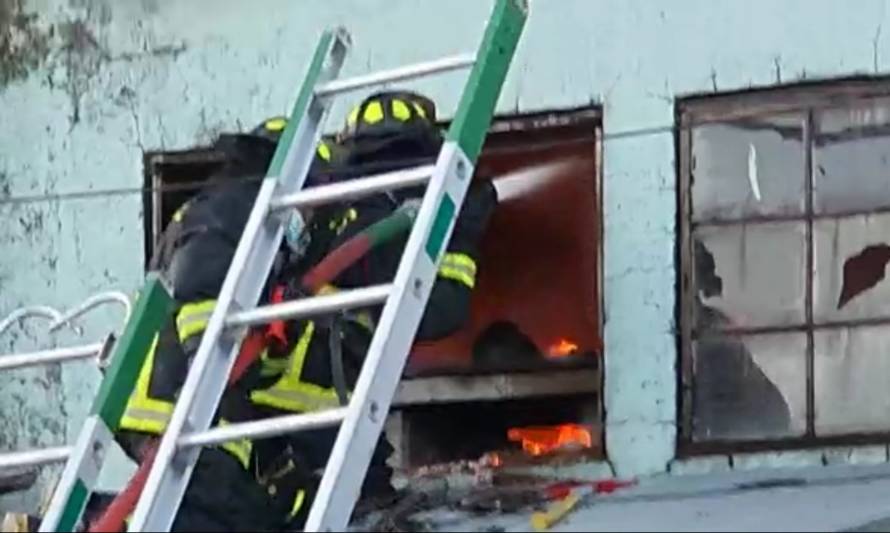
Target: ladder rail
(84,460)
(382,368)
(241,289)
(374,392)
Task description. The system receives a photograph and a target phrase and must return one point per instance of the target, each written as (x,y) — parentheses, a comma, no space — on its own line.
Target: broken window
(785,234)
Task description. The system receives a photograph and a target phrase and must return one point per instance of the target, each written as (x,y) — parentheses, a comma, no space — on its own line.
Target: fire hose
(328,269)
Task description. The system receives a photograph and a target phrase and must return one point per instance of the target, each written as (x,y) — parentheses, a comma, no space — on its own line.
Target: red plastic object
(560,490)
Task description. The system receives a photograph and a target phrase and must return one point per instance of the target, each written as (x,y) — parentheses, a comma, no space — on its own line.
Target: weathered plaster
(119,78)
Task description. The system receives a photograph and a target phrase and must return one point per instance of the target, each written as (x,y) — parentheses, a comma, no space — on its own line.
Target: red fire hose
(114,517)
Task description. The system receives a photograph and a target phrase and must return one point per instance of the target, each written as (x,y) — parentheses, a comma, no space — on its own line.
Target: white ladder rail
(247,274)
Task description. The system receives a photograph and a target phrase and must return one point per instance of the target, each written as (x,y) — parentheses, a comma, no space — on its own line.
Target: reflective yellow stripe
(272,366)
(459,267)
(400,110)
(276,124)
(149,415)
(419,110)
(177,216)
(326,289)
(143,413)
(353,116)
(298,503)
(339,225)
(460,261)
(193,317)
(373,113)
(324,151)
(241,449)
(290,393)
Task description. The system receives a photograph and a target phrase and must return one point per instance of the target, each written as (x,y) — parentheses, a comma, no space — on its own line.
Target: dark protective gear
(503,346)
(394,142)
(201,242)
(448,306)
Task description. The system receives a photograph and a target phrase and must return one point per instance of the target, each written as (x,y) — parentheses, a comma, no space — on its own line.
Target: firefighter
(387,131)
(232,486)
(235,486)
(390,131)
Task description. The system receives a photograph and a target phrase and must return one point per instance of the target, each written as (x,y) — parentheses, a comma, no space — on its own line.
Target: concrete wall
(87,85)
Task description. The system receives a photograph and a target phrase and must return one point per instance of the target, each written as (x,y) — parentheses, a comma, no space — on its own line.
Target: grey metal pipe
(45,357)
(45,456)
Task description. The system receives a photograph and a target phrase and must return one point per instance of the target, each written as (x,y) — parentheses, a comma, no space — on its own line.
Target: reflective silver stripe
(146,414)
(309,401)
(197,317)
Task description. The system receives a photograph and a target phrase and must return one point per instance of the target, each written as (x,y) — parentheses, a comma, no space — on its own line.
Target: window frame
(807,99)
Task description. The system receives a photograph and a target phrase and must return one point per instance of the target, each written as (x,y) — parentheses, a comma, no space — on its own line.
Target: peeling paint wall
(87,85)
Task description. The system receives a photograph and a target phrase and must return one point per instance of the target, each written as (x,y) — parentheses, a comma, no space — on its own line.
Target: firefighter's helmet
(272,128)
(389,112)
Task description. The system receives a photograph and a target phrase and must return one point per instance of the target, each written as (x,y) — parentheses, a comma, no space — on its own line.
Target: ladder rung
(270,427)
(444,64)
(41,457)
(314,306)
(355,188)
(45,357)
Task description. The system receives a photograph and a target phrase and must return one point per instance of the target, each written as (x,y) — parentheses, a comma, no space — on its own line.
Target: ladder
(361,421)
(125,355)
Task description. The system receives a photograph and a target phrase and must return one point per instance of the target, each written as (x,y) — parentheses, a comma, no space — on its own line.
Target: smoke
(520,182)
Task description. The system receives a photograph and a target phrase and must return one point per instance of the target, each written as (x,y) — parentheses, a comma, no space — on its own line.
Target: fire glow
(542,440)
(563,348)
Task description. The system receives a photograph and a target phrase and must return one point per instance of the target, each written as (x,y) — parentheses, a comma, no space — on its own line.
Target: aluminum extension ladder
(361,421)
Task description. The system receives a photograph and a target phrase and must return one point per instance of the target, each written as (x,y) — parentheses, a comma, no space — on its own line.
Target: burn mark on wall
(863,271)
(82,58)
(23,45)
(5,186)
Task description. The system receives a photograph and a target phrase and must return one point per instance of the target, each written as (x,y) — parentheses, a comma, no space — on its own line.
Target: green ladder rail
(85,458)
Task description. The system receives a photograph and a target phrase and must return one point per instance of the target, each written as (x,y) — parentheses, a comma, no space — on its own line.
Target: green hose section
(348,253)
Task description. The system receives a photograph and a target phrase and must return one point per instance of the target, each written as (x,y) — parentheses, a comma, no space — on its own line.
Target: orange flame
(541,440)
(563,348)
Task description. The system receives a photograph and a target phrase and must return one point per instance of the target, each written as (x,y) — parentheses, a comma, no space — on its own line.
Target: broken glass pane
(754,275)
(755,167)
(749,387)
(851,159)
(852,375)
(851,256)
